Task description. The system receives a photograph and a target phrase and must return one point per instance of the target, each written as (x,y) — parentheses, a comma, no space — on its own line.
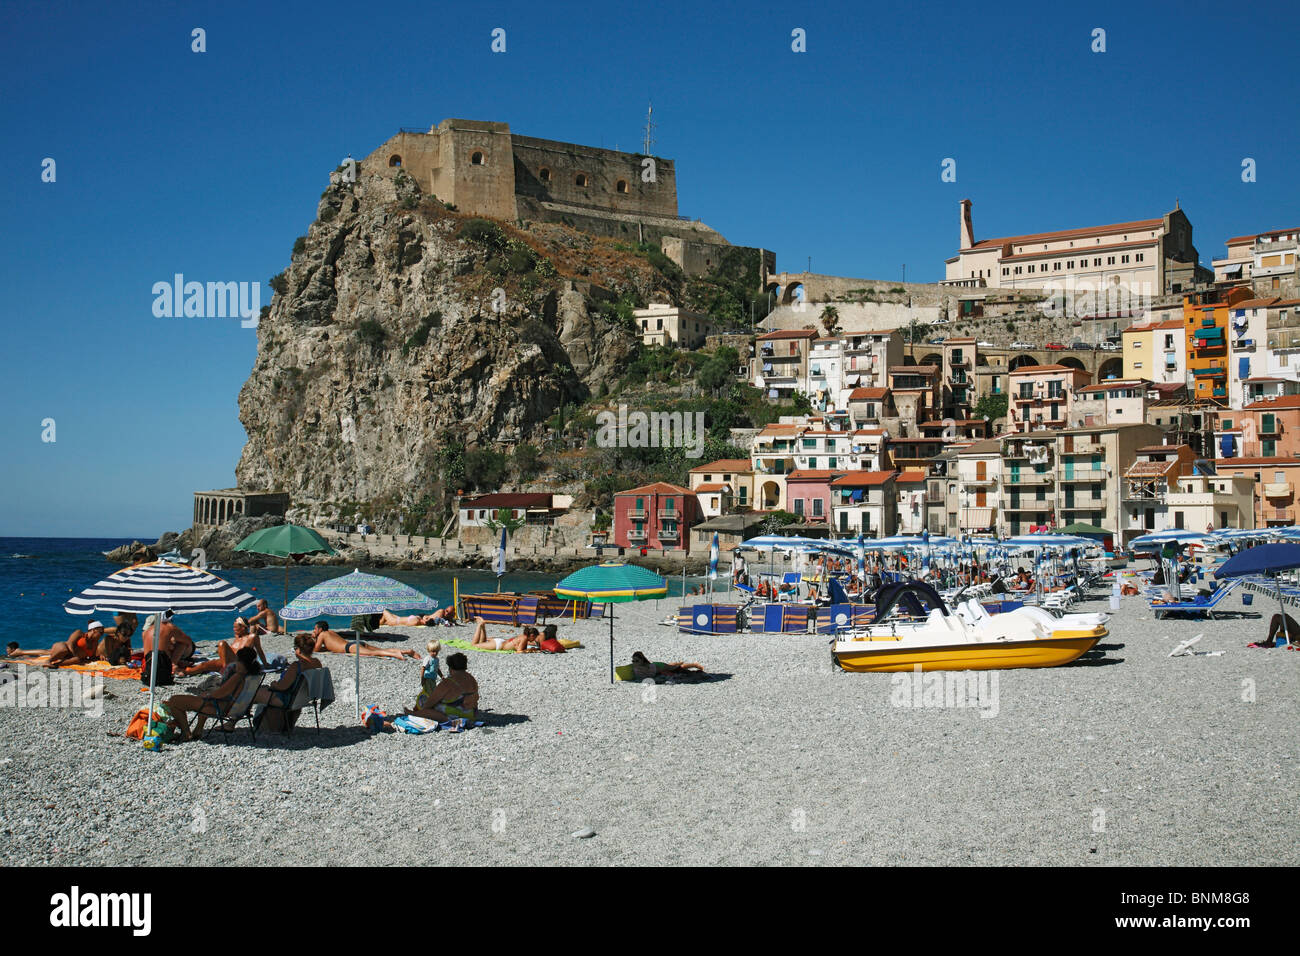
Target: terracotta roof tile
(725,464)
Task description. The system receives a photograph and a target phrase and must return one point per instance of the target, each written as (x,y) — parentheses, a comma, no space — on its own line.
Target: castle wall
(604,169)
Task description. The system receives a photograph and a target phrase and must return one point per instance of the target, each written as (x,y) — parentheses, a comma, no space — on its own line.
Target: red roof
(910,475)
(712,487)
(1024,369)
(861,479)
(1259,235)
(1234,462)
(1135,226)
(725,464)
(658,488)
(790,334)
(508,500)
(863,394)
(1269,404)
(810,474)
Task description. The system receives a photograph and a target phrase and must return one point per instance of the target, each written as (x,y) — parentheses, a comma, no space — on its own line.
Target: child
(431,673)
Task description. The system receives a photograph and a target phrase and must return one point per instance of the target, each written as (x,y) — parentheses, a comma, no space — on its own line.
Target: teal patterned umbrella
(609,584)
(356,593)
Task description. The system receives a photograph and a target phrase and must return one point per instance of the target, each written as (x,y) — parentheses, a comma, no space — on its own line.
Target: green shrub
(300,245)
(279,284)
(484,232)
(371,333)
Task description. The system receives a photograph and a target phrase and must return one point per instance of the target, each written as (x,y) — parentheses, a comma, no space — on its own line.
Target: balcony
(1211,373)
(1031,478)
(1086,448)
(1278,515)
(1084,474)
(670,514)
(636,535)
(637,514)
(980,482)
(1277,489)
(1045,505)
(668,534)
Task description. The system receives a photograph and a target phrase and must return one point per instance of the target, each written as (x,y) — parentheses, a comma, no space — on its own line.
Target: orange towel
(94,667)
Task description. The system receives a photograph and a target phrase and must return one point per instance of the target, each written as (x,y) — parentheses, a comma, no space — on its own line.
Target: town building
(1276,482)
(870,406)
(481,511)
(1112,402)
(780,365)
(1040,395)
(808,495)
(911,506)
(733,477)
(1206,320)
(1267,260)
(978,471)
(864,502)
(1147,258)
(824,384)
(915,390)
(672,327)
(868,356)
(212,509)
(732,530)
(657,516)
(1268,428)
(1156,349)
(1058,477)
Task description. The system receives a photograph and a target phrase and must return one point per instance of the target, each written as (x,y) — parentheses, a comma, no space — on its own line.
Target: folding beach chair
(1196,607)
(230,711)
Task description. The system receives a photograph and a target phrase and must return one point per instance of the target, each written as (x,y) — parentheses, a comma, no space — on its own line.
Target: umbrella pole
(1277,583)
(153,668)
(610,605)
(357,678)
(286,579)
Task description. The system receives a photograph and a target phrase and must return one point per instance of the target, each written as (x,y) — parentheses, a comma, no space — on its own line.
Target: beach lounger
(708,619)
(1196,607)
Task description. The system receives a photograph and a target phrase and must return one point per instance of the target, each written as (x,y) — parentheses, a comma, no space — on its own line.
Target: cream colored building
(667,325)
(722,484)
(1139,260)
(1156,348)
(1260,258)
(1112,402)
(979,486)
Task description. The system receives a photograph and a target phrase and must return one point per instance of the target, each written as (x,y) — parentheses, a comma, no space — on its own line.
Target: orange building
(1205,316)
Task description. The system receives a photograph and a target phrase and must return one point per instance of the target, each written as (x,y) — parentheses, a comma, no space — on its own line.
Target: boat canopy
(911,596)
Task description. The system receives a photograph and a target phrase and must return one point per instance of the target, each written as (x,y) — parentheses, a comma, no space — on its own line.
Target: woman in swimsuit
(180,705)
(645,669)
(281,691)
(519,643)
(81,647)
(455,698)
(226,650)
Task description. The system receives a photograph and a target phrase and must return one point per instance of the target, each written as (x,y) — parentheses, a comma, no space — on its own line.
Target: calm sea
(38,574)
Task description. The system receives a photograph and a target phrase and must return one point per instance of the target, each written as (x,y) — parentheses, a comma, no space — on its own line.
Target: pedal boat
(968,638)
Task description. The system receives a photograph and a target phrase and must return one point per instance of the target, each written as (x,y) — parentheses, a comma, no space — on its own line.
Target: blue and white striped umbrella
(713,558)
(156,587)
(499,565)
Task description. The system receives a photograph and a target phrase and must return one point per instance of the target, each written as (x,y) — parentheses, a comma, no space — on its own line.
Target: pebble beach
(1126,757)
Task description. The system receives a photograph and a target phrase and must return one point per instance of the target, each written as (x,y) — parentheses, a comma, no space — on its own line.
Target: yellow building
(1156,347)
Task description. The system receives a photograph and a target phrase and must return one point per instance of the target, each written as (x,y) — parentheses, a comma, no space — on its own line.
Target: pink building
(1040,395)
(657,516)
(808,494)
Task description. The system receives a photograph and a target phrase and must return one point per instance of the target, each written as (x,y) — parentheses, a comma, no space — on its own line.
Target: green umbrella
(283,540)
(612,584)
(1080,527)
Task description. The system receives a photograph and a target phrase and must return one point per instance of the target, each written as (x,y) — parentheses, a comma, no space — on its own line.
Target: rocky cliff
(401,328)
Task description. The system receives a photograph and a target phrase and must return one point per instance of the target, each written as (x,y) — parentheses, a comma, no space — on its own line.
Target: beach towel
(94,667)
(467,646)
(415,725)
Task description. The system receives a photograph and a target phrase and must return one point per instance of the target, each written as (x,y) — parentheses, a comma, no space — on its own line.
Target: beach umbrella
(155,587)
(356,593)
(713,562)
(499,563)
(1158,539)
(612,584)
(1268,560)
(862,559)
(283,541)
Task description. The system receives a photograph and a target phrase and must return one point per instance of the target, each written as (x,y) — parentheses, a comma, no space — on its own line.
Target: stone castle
(484,169)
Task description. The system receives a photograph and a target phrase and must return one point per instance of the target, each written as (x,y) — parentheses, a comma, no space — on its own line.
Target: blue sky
(210,164)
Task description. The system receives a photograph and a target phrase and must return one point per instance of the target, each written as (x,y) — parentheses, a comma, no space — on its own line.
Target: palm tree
(831,319)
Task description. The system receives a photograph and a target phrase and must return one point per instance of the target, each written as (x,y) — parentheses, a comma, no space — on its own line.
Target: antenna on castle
(648,143)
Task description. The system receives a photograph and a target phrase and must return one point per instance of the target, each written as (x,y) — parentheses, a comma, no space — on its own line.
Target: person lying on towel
(519,643)
(645,669)
(81,647)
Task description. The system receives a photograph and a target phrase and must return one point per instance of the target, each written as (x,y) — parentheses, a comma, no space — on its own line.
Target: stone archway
(934,358)
(1070,361)
(770,496)
(1020,361)
(792,293)
(1113,367)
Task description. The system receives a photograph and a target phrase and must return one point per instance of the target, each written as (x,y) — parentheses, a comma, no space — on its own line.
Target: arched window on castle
(580,179)
(476,159)
(621,186)
(394,160)
(544,174)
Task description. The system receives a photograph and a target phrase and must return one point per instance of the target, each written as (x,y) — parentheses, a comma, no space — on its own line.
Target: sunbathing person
(326,640)
(643,668)
(204,704)
(175,643)
(1284,626)
(81,647)
(227,650)
(116,648)
(265,621)
(518,643)
(455,698)
(389,619)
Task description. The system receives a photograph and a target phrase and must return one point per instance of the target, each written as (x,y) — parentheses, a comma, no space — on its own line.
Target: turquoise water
(38,574)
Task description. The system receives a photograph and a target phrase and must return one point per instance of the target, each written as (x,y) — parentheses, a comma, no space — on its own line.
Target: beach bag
(159,728)
(164,669)
(373,718)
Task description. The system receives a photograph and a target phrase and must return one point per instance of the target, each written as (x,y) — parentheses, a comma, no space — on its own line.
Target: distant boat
(29,555)
(173,556)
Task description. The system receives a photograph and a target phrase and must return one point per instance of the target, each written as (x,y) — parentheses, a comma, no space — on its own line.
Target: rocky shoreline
(218,547)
